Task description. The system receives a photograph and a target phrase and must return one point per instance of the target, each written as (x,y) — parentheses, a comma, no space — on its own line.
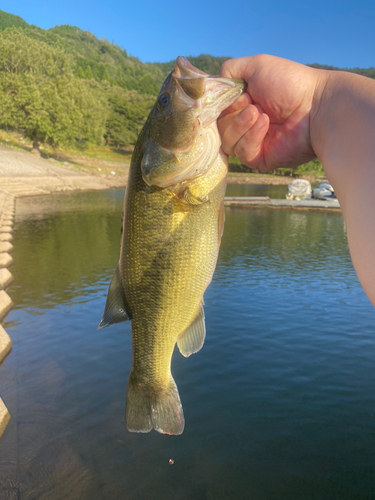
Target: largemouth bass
(172,225)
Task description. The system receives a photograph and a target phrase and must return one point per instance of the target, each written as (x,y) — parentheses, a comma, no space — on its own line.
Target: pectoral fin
(116,309)
(192,339)
(193,199)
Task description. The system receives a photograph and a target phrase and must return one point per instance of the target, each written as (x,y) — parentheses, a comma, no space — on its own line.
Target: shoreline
(23,174)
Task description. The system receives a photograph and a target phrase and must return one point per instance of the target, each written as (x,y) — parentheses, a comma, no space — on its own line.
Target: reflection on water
(278,404)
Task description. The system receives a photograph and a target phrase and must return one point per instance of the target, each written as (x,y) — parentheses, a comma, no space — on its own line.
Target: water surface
(279,404)
(273,191)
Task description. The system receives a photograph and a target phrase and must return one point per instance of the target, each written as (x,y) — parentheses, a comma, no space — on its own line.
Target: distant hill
(204,62)
(369,72)
(64,86)
(111,61)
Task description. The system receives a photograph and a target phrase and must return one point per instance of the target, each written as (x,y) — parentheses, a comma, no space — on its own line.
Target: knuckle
(247,140)
(263,59)
(242,153)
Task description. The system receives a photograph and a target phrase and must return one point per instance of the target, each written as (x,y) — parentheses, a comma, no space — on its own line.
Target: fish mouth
(219,94)
(212,94)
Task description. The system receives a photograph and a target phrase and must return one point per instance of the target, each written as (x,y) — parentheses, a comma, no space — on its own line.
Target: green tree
(147,85)
(128,112)
(79,72)
(40,96)
(105,76)
(88,73)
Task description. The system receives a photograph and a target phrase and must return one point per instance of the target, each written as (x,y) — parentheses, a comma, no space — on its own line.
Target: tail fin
(150,407)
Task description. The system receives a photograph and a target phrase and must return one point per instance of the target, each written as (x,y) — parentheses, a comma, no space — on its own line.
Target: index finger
(240,67)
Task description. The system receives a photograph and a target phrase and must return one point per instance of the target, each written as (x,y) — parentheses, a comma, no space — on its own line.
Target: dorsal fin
(192,339)
(116,309)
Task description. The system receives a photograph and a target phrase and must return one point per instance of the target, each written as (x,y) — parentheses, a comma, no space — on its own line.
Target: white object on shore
(299,189)
(324,192)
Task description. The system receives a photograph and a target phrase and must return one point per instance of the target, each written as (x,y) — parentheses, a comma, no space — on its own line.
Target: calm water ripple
(279,404)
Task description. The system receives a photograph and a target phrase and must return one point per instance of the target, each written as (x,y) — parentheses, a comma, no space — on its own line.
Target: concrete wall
(7,207)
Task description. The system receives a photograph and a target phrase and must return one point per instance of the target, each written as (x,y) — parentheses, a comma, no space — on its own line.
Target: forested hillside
(65,87)
(9,20)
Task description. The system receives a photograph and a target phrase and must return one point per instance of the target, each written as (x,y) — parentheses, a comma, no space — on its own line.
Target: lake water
(279,404)
(273,191)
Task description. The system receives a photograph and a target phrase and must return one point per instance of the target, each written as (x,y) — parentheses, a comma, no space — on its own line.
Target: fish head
(182,123)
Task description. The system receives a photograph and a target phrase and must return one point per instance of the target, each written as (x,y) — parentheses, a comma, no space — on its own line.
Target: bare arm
(343,138)
(291,114)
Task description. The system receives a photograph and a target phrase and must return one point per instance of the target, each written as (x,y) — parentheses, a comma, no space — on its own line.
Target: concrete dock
(265,202)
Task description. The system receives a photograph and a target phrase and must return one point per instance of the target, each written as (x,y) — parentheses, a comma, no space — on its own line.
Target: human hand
(269,125)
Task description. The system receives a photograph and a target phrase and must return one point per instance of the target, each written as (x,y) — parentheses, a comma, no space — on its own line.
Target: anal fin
(116,309)
(191,340)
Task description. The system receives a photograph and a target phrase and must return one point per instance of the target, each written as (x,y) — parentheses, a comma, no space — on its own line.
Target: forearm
(343,138)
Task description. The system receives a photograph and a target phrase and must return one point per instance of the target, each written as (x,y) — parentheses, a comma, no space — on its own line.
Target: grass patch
(250,173)
(14,141)
(313,168)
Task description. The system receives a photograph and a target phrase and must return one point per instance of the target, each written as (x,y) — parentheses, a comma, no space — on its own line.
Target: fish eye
(164,100)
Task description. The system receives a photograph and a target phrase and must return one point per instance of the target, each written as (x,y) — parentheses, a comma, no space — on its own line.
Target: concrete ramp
(6,278)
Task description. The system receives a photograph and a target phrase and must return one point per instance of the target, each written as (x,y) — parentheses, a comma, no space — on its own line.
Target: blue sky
(340,33)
